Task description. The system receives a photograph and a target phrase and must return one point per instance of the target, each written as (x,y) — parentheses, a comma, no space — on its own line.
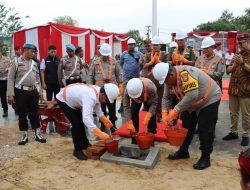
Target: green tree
(227,22)
(136,35)
(9,23)
(67,20)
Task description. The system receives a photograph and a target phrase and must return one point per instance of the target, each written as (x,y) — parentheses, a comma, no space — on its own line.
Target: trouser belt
(27,88)
(74,78)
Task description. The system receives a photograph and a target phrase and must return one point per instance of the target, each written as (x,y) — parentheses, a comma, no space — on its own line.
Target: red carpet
(160,136)
(225,84)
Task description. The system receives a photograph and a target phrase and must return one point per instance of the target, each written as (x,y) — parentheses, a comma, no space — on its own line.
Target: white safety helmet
(173,44)
(181,36)
(112,91)
(105,50)
(134,88)
(207,42)
(131,41)
(160,72)
(156,40)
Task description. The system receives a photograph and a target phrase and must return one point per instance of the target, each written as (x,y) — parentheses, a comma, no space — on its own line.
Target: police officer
(138,91)
(209,62)
(22,79)
(151,60)
(49,68)
(70,67)
(78,101)
(4,65)
(199,97)
(130,63)
(182,55)
(105,70)
(86,66)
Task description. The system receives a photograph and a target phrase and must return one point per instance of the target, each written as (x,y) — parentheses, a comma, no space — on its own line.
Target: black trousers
(52,88)
(27,105)
(111,113)
(3,97)
(206,119)
(68,81)
(135,110)
(74,116)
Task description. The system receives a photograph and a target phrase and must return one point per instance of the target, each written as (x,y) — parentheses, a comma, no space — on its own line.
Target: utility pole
(154,18)
(148,31)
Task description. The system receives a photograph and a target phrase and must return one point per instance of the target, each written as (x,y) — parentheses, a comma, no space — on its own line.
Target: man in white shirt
(229,56)
(217,50)
(78,101)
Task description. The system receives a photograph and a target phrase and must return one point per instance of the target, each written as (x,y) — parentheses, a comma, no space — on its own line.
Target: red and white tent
(60,35)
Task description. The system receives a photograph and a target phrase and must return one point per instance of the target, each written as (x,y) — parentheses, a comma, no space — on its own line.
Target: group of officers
(169,86)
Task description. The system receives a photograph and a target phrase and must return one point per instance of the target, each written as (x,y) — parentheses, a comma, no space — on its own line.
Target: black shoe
(39,138)
(202,164)
(230,136)
(5,114)
(244,141)
(179,155)
(24,140)
(80,155)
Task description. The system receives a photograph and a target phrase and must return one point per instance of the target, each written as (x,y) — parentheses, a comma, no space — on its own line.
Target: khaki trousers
(235,105)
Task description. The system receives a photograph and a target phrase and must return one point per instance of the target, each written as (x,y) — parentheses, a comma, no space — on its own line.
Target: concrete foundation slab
(135,157)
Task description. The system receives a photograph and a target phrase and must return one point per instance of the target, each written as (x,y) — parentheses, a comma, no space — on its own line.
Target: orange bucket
(144,140)
(176,134)
(111,145)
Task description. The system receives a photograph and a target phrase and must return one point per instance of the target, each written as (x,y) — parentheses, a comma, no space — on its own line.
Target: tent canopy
(60,35)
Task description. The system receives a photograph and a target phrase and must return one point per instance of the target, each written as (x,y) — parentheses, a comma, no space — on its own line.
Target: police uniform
(147,73)
(24,84)
(4,64)
(150,100)
(179,52)
(102,72)
(213,66)
(50,67)
(70,68)
(199,97)
(85,71)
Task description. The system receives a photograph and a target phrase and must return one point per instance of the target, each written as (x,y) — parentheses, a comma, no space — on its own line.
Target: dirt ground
(51,166)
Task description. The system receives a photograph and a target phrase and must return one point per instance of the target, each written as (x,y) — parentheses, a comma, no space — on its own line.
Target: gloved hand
(164,115)
(157,59)
(147,118)
(131,127)
(173,114)
(101,135)
(121,89)
(108,124)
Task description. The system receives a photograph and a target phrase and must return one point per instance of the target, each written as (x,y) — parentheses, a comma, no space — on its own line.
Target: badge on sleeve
(188,83)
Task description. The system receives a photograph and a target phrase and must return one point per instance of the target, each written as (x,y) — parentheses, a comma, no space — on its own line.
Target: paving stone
(148,163)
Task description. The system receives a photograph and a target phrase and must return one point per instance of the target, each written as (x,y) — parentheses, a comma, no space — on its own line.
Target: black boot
(5,114)
(24,139)
(244,141)
(80,155)
(38,136)
(203,162)
(179,155)
(230,136)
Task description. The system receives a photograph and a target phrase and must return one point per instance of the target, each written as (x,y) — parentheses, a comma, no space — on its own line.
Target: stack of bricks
(96,151)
